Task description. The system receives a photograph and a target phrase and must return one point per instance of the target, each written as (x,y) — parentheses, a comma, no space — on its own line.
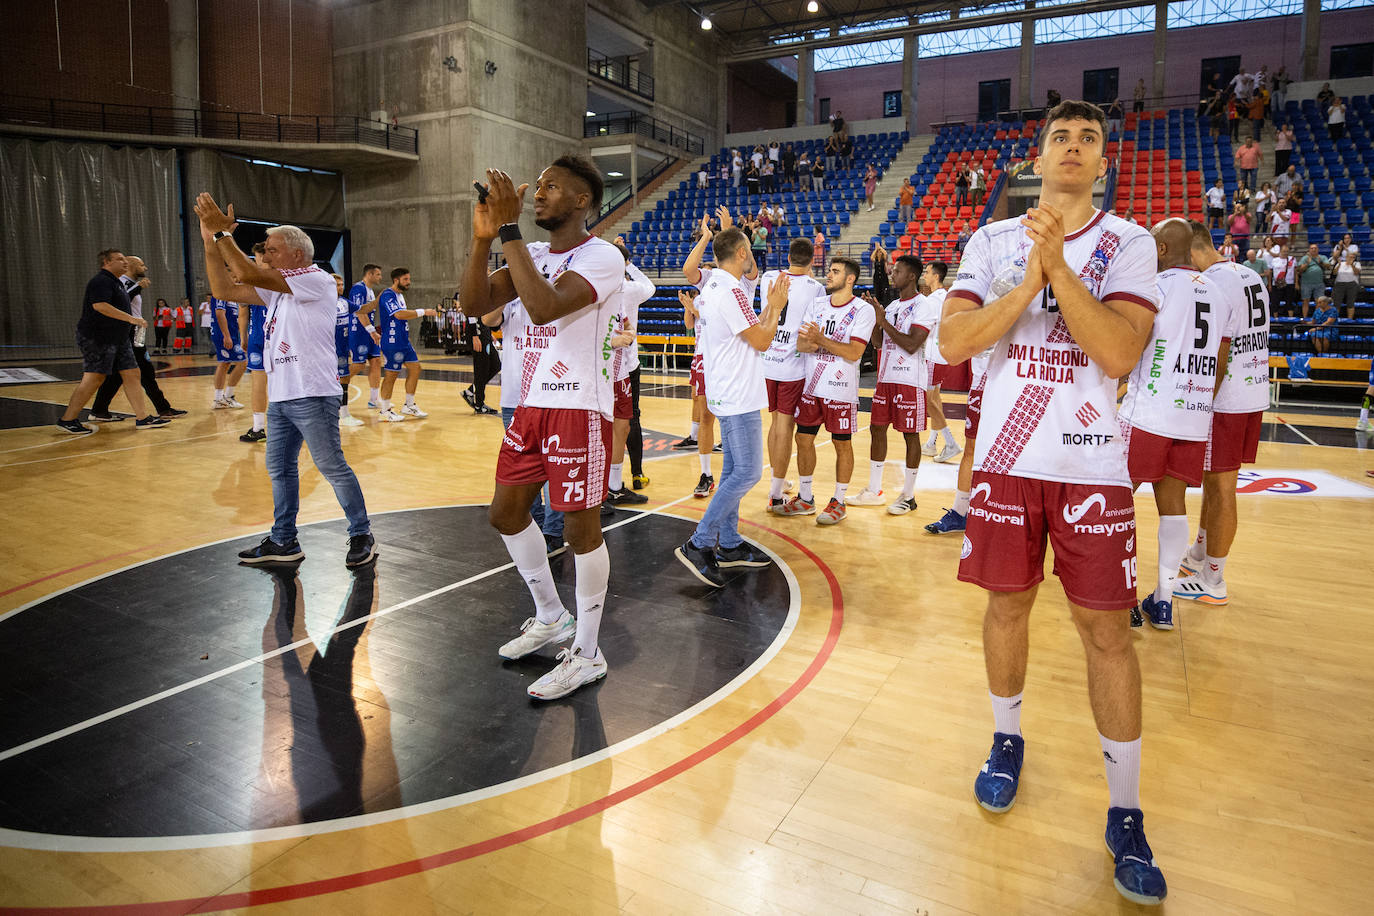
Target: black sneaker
(554,545)
(705,486)
(104,417)
(718,449)
(686,443)
(624,497)
(152,421)
(741,555)
(172,413)
(608,509)
(75,427)
(254,435)
(362,549)
(470,396)
(269,551)
(701,562)
(484,411)
(640,481)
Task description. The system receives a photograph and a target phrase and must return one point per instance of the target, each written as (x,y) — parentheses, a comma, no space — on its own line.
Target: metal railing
(616,70)
(625,193)
(633,122)
(102,117)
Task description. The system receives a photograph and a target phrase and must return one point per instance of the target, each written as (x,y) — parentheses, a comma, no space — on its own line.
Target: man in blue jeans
(301,304)
(732,338)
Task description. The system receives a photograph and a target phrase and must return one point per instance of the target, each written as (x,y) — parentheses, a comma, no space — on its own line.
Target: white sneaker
(948,452)
(535,636)
(1189,566)
(572,672)
(1196,588)
(902,506)
(864,497)
(413,410)
(232,402)
(219,404)
(350,421)
(390,416)
(929,448)
(1364,426)
(788,486)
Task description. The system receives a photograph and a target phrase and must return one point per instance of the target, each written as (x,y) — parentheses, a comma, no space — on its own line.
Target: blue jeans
(314,421)
(741,438)
(549,521)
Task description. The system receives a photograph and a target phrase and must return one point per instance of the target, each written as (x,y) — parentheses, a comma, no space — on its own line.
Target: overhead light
(813,7)
(615,174)
(706,23)
(591,114)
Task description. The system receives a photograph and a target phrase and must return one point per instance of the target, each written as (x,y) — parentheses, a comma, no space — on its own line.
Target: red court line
(113,556)
(515,837)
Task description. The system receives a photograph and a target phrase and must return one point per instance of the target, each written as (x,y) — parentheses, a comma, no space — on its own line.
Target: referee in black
(486,362)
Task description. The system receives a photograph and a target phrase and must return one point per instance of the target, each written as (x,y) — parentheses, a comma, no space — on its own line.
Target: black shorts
(106,358)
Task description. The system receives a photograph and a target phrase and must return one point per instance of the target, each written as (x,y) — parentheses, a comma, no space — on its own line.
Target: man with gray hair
(300,364)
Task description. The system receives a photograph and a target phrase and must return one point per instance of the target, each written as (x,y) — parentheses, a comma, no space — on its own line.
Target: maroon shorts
(903,407)
(624,401)
(1233,440)
(783,396)
(836,416)
(974,412)
(567,448)
(1151,458)
(1090,527)
(936,372)
(698,376)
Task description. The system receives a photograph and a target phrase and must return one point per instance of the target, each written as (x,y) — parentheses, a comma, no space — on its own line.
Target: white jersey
(634,292)
(298,349)
(937,296)
(897,366)
(1170,390)
(1048,412)
(747,285)
(514,318)
(566,364)
(781,361)
(1245,387)
(733,369)
(828,376)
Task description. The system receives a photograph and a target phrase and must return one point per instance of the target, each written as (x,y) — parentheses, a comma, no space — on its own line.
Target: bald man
(135,280)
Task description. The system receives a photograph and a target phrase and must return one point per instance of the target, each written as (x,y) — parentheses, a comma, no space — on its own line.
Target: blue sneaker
(995,785)
(1137,878)
(1161,613)
(948,523)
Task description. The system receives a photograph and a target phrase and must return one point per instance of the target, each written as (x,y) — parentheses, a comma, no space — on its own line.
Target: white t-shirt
(1048,412)
(1346,272)
(1170,389)
(897,366)
(828,376)
(733,369)
(634,292)
(1245,388)
(298,352)
(937,296)
(566,364)
(205,314)
(1216,198)
(781,361)
(514,318)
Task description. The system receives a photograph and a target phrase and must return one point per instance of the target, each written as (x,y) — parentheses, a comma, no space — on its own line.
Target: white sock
(593,573)
(617,476)
(1364,414)
(374,395)
(229,392)
(343,411)
(410,400)
(1213,568)
(961,502)
(1006,713)
(1199,548)
(934,437)
(804,490)
(384,406)
(259,421)
(775,487)
(840,490)
(705,462)
(1173,538)
(908,482)
(947,435)
(219,394)
(875,476)
(696,428)
(529,552)
(1122,759)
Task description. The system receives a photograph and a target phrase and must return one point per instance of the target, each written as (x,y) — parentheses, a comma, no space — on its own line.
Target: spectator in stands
(701,176)
(1233,117)
(1345,286)
(804,171)
(818,173)
(1344,246)
(878,259)
(1242,85)
(1293,202)
(1215,110)
(847,152)
(1248,158)
(1129,216)
(767,176)
(1335,120)
(980,184)
(870,184)
(832,147)
(1325,96)
(1052,98)
(906,199)
(1263,201)
(760,245)
(1312,270)
(1278,92)
(779,215)
(1285,181)
(818,246)
(1285,269)
(1283,148)
(967,232)
(1215,202)
(724,172)
(737,168)
(961,186)
(751,180)
(1259,265)
(775,155)
(1138,95)
(1281,222)
(1243,195)
(789,168)
(756,157)
(837,123)
(1323,325)
(1238,227)
(1229,250)
(1115,114)
(1258,105)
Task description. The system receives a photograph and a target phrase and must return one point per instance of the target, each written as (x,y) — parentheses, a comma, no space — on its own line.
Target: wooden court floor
(838,778)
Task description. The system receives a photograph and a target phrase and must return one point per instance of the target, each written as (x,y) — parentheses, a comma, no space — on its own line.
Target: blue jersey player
(364,342)
(230,358)
(253,324)
(397,351)
(343,318)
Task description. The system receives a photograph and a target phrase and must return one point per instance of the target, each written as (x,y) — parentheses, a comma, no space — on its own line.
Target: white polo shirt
(299,332)
(733,369)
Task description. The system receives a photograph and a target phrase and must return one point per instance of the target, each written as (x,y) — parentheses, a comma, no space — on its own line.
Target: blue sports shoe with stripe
(1137,877)
(948,523)
(995,785)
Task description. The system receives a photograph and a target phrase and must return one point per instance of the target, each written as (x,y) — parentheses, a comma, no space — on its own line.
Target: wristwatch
(223,235)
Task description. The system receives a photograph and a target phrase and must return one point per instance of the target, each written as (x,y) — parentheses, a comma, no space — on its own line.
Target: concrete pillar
(1023,93)
(806,87)
(910,46)
(1311,38)
(722,102)
(183,21)
(634,176)
(1161,32)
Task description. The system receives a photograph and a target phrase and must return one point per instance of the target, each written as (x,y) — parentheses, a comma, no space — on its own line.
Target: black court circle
(190,701)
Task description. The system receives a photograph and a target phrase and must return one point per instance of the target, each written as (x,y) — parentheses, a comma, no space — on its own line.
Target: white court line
(1300,433)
